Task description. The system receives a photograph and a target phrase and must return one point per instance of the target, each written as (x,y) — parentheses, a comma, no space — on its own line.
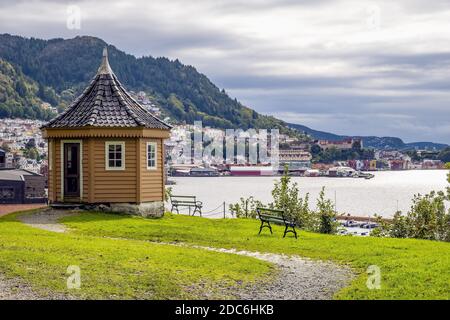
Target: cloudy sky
(348,67)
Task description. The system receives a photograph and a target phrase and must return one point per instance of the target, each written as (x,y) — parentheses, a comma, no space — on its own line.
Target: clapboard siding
(85,170)
(51,168)
(115,185)
(58,169)
(152,180)
(135,184)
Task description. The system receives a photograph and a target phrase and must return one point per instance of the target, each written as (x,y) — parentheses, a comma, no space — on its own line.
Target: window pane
(112,155)
(118,163)
(151,155)
(111,163)
(118,148)
(111,147)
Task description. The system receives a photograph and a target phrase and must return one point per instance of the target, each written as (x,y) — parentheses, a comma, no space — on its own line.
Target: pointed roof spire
(106,103)
(104,67)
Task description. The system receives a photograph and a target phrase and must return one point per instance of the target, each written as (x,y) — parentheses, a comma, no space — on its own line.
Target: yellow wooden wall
(102,186)
(152,180)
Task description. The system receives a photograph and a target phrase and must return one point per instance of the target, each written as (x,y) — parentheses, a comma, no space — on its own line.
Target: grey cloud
(386,92)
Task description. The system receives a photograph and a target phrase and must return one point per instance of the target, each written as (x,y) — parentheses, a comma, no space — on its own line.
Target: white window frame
(155,145)
(110,143)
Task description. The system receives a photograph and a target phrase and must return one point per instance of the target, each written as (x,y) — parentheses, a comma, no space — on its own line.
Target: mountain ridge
(61,68)
(370,141)
(183,93)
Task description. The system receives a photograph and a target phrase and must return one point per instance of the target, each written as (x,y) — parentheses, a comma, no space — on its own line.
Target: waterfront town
(22,147)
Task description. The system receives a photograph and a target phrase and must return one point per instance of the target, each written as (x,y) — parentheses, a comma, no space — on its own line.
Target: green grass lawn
(410,269)
(116,268)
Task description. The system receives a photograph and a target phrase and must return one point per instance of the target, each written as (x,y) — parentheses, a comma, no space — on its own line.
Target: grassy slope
(410,268)
(117,268)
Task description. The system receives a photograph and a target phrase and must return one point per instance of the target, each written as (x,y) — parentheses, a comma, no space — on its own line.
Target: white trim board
(155,144)
(122,158)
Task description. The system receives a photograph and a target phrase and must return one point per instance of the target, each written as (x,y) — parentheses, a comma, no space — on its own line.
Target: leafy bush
(326,214)
(246,208)
(286,197)
(427,219)
(167,194)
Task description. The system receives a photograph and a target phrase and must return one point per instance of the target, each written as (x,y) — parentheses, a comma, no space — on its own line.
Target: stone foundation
(147,209)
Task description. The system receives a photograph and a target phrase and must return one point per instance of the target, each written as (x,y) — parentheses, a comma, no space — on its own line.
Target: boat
(312,173)
(252,171)
(341,172)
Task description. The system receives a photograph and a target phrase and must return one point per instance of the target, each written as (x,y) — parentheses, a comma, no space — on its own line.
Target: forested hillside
(63,67)
(19,95)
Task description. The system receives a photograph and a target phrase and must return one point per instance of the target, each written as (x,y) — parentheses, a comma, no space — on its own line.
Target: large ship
(253,171)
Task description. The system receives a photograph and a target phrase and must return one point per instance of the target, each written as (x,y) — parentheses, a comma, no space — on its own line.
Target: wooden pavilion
(107,149)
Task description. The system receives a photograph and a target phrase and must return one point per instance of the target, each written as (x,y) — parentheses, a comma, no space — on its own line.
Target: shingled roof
(105,103)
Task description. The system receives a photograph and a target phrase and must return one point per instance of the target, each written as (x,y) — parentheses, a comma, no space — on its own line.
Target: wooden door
(72,169)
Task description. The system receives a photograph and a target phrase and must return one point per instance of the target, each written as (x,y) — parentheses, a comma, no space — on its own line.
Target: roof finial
(104,67)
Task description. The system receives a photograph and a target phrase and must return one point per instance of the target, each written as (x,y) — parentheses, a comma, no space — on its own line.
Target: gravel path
(47,219)
(296,278)
(16,289)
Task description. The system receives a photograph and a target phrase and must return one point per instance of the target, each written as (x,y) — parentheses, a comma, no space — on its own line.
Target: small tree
(245,208)
(167,194)
(400,226)
(427,219)
(326,214)
(286,197)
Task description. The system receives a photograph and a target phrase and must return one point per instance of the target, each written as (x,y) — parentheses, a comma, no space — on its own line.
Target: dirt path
(297,278)
(47,219)
(13,289)
(16,289)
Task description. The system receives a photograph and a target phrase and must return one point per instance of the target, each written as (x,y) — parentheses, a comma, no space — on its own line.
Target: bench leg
(265,226)
(196,209)
(293,231)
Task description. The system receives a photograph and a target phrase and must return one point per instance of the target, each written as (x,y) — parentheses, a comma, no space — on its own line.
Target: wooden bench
(186,202)
(275,216)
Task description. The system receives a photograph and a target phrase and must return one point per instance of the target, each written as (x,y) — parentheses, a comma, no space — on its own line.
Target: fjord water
(355,196)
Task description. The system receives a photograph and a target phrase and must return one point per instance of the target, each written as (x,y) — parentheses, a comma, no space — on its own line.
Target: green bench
(275,216)
(186,202)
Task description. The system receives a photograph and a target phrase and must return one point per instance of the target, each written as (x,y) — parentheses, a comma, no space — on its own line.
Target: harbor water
(382,195)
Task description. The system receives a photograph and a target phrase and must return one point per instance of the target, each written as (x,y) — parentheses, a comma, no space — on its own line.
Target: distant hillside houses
(17,137)
(146,102)
(48,106)
(344,144)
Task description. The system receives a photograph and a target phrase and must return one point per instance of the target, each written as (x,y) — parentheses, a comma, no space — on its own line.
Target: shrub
(245,208)
(326,214)
(427,219)
(286,197)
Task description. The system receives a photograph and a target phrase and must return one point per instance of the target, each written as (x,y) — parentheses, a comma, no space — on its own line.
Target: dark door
(72,169)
